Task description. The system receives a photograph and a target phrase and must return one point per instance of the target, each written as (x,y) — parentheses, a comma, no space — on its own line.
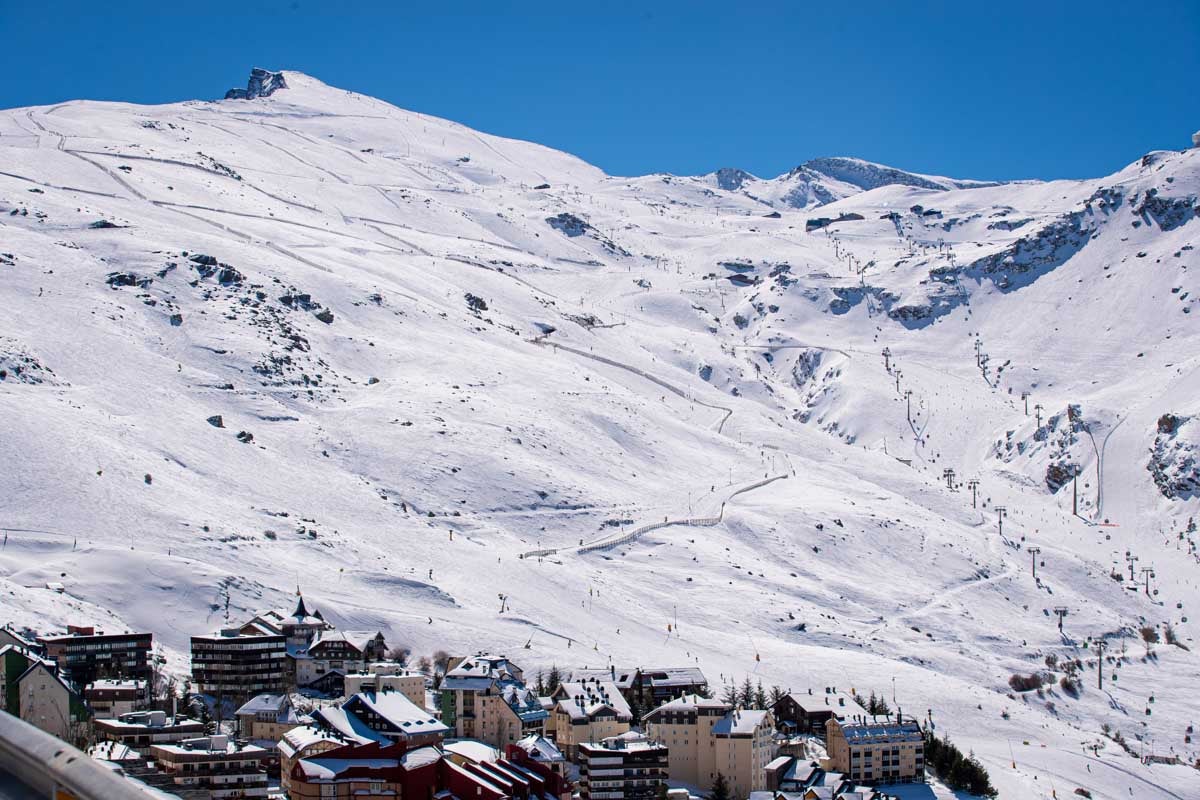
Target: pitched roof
(882,729)
(359,640)
(588,698)
(673,676)
(486,666)
(49,668)
(740,722)
(265,702)
(472,750)
(541,749)
(347,724)
(400,712)
(299,738)
(839,703)
(689,702)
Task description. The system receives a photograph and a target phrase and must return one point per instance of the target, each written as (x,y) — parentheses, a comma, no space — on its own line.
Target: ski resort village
(350,452)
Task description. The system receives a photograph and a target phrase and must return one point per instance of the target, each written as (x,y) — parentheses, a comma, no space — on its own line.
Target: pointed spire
(301,612)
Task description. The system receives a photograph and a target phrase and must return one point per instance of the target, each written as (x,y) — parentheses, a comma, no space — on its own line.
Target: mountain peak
(262,83)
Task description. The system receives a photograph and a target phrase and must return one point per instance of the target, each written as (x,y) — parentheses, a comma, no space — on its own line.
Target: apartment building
(237,666)
(808,712)
(877,749)
(267,717)
(484,697)
(48,702)
(590,710)
(625,767)
(83,655)
(707,736)
(140,730)
(380,677)
(112,697)
(217,764)
(744,746)
(649,687)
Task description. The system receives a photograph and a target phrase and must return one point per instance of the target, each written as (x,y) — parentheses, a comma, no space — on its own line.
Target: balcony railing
(34,764)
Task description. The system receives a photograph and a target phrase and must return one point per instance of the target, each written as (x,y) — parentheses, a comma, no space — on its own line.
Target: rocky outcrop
(1173,458)
(262,83)
(1167,212)
(731,179)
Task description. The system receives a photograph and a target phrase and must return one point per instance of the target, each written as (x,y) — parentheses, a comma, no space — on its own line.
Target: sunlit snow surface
(412,416)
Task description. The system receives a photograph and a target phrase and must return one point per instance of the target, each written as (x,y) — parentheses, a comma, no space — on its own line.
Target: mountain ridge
(433,350)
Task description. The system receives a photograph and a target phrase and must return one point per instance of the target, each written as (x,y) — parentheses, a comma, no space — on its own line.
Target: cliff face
(262,83)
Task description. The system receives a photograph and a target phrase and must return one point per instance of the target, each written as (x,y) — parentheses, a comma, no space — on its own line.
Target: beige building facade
(706,736)
(877,749)
(590,710)
(381,677)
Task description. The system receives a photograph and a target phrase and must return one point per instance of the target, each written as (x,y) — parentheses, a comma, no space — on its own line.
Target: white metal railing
(54,769)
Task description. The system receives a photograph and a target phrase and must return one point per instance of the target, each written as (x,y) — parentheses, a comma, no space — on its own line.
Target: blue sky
(966,89)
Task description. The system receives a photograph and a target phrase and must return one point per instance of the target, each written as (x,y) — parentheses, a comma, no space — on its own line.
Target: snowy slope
(425,366)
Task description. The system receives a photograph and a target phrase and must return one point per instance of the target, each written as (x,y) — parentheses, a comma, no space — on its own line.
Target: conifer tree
(720,788)
(746,694)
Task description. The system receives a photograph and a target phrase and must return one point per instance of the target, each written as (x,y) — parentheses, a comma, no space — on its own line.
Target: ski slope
(426,367)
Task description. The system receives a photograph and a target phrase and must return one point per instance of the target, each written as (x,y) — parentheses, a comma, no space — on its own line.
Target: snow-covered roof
(691,702)
(114,751)
(304,736)
(541,749)
(114,684)
(359,640)
(400,712)
(347,724)
(210,744)
(420,757)
(880,729)
(319,768)
(778,763)
(628,741)
(801,771)
(482,665)
(472,750)
(840,703)
(265,702)
(623,678)
(585,699)
(741,722)
(522,700)
(664,677)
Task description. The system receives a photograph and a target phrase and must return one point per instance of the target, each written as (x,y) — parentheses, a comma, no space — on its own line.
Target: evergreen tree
(777,694)
(746,694)
(720,788)
(729,695)
(540,685)
(760,697)
(554,679)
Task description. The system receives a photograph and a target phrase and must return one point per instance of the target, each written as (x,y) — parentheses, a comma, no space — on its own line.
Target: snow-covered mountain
(825,180)
(302,337)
